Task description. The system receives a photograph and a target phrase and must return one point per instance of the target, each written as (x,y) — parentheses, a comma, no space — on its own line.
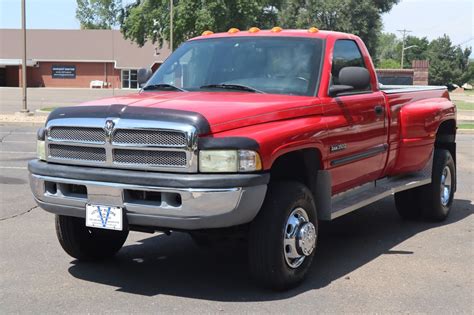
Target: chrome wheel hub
(446,186)
(300,238)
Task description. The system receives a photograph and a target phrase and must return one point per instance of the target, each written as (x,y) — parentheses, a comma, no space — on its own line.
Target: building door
(129,79)
(3,77)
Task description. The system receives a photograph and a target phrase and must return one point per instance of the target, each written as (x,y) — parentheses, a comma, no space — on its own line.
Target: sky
(430,18)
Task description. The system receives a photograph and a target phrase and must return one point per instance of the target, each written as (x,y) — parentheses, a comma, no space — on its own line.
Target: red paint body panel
(405,131)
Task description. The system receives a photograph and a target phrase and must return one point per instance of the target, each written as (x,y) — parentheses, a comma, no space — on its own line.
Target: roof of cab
(281,33)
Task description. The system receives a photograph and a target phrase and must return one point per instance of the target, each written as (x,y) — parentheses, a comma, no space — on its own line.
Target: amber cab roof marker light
(206,33)
(276,29)
(313,30)
(254,30)
(233,30)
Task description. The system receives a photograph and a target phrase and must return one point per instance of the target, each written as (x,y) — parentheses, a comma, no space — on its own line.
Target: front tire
(85,243)
(282,238)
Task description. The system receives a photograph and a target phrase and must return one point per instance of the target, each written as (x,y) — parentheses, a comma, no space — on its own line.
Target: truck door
(356,141)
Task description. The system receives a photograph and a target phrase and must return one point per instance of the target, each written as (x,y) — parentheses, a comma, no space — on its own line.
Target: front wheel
(85,243)
(282,238)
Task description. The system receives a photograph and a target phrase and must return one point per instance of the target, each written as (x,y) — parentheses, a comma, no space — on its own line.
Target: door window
(346,54)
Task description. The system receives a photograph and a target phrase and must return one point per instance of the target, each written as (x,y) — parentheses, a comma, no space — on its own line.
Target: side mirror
(143,75)
(351,78)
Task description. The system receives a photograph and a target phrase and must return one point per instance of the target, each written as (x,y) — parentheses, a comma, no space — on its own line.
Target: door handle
(378,110)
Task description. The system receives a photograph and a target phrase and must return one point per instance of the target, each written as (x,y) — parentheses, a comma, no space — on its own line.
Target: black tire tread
(424,202)
(265,249)
(431,207)
(85,243)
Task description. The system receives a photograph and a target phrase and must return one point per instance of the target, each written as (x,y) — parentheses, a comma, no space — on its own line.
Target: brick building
(75,58)
(417,75)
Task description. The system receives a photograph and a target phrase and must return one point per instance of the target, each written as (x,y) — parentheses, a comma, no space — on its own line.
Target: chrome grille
(149,137)
(150,158)
(68,152)
(92,135)
(123,143)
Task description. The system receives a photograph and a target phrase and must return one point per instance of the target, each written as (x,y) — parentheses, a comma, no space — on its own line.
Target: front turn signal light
(41,150)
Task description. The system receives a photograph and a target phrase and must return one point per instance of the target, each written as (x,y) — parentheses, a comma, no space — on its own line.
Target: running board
(364,195)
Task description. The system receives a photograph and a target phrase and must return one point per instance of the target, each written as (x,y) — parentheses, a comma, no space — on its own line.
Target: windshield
(279,65)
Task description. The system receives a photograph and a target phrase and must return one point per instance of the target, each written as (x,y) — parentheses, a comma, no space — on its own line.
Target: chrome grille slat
(88,135)
(151,158)
(68,152)
(149,137)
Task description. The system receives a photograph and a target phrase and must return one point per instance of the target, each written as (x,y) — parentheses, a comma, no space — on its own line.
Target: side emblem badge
(338,147)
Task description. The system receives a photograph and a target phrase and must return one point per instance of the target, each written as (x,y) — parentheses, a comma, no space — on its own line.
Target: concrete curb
(12,118)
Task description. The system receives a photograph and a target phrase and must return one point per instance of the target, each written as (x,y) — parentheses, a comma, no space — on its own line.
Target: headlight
(229,161)
(41,150)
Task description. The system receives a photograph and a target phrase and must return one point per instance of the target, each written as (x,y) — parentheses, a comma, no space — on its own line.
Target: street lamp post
(24,108)
(403,53)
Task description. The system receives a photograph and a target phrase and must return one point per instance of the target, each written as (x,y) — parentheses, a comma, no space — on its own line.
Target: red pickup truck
(258,133)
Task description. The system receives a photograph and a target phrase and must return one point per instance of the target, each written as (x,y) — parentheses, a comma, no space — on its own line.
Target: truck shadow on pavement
(173,265)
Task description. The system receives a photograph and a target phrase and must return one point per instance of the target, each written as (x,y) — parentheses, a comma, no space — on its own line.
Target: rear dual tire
(433,201)
(85,243)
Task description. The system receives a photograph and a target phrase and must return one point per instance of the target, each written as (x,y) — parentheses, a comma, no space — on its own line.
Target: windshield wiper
(232,87)
(162,86)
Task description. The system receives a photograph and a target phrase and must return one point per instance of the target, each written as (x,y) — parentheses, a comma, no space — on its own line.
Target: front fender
(280,137)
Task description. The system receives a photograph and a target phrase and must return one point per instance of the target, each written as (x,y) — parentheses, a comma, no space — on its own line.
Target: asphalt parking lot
(369,261)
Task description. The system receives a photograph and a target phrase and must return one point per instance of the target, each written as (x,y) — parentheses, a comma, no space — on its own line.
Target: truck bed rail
(392,89)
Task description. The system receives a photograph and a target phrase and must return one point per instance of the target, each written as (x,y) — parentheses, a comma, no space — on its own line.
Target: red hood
(224,110)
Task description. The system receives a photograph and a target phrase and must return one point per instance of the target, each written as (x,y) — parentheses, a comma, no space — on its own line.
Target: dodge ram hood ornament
(109,128)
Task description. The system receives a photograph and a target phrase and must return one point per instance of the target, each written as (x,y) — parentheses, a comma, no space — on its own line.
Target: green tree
(468,75)
(387,50)
(98,14)
(149,19)
(389,64)
(448,63)
(361,17)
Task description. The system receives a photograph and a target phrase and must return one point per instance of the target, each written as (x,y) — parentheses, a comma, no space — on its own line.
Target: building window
(129,79)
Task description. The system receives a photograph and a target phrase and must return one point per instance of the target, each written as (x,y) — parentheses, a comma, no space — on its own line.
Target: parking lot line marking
(19,133)
(13,167)
(15,141)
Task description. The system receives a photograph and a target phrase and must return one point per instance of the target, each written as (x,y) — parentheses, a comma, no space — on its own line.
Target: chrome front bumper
(170,207)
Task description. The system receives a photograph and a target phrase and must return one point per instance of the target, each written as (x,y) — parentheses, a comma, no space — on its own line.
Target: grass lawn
(466,126)
(463,105)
